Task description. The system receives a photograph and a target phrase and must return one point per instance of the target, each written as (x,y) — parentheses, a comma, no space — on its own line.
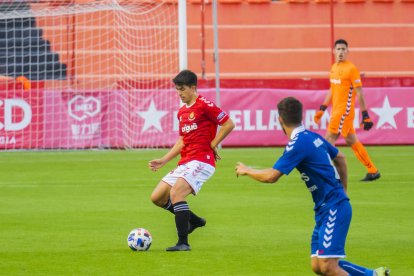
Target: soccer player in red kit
(197,144)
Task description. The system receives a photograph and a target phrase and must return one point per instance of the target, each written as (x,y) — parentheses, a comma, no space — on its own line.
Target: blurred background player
(324,170)
(345,85)
(197,143)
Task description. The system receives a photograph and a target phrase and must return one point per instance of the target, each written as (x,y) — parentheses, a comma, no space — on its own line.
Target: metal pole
(182,34)
(216,54)
(203,39)
(332,29)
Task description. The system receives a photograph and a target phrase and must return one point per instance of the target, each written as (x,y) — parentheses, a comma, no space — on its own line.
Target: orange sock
(363,157)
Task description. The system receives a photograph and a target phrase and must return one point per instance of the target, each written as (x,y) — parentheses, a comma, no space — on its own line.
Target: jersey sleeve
(213,112)
(355,77)
(180,132)
(291,157)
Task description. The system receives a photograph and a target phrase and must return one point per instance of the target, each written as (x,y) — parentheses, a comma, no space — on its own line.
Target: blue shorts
(329,235)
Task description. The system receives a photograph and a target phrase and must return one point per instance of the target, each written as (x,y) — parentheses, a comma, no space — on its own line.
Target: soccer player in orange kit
(345,86)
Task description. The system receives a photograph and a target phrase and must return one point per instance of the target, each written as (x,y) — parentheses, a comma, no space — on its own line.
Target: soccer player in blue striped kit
(323,169)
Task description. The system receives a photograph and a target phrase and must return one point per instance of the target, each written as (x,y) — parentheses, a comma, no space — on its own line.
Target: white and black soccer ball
(139,239)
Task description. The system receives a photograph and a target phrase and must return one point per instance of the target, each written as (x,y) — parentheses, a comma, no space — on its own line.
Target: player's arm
(341,166)
(366,120)
(323,107)
(171,154)
(328,98)
(361,98)
(225,130)
(268,175)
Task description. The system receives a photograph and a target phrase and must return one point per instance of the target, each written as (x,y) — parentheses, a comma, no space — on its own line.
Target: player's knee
(315,269)
(328,268)
(157,200)
(315,266)
(351,139)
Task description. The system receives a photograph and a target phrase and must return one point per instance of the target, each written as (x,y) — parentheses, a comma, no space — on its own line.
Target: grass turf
(69,213)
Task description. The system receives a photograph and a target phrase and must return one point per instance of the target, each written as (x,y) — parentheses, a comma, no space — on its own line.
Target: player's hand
(319,114)
(155,164)
(367,123)
(216,155)
(241,169)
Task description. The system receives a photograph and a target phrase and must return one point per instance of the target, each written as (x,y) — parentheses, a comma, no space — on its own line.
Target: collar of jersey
(297,130)
(188,106)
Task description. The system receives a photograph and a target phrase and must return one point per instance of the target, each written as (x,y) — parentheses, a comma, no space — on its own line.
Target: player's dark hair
(290,109)
(185,77)
(341,41)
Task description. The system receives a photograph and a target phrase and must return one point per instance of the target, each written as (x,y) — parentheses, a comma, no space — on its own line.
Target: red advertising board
(21,119)
(54,119)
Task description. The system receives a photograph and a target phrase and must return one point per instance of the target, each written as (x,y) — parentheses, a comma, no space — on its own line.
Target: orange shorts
(343,125)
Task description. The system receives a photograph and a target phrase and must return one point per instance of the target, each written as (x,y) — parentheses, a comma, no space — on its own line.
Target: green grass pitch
(69,213)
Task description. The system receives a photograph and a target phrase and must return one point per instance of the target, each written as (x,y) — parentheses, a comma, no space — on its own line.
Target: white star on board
(152,117)
(386,114)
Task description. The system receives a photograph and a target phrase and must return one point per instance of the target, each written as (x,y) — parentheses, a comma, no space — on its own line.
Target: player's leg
(328,244)
(196,176)
(161,196)
(330,267)
(341,267)
(328,239)
(326,265)
(178,193)
(192,178)
(362,155)
(354,269)
(334,129)
(315,265)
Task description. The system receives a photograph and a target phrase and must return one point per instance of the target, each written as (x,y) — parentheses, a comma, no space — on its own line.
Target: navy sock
(182,217)
(169,206)
(355,270)
(194,219)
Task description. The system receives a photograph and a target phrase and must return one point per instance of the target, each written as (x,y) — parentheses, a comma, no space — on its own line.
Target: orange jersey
(344,78)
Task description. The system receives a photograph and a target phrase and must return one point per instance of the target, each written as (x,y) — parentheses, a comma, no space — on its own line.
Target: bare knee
(316,269)
(157,200)
(315,266)
(161,194)
(351,139)
(330,267)
(326,270)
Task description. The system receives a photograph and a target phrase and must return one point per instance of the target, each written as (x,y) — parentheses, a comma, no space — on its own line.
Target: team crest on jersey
(317,142)
(191,117)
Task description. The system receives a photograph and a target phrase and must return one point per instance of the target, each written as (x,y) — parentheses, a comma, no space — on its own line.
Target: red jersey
(198,126)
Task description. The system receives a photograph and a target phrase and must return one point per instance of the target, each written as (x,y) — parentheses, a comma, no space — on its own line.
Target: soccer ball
(139,239)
